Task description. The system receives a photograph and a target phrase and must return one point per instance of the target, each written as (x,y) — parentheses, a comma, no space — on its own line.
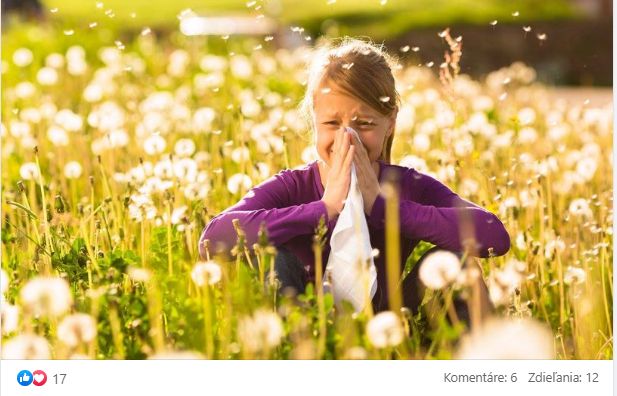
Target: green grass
(352,17)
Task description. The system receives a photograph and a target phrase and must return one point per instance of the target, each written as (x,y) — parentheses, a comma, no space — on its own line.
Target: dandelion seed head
(574,276)
(47,76)
(356,353)
(77,329)
(184,147)
(580,208)
(26,346)
(439,269)
(206,272)
(138,274)
(154,144)
(72,170)
(29,171)
(494,341)
(262,330)
(385,330)
(239,181)
(240,154)
(46,296)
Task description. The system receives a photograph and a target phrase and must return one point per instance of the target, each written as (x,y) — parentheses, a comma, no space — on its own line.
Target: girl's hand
(367,179)
(339,174)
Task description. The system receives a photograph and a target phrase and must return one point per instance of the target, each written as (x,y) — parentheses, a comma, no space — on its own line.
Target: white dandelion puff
(206,272)
(46,296)
(262,330)
(439,269)
(494,341)
(26,346)
(76,329)
(29,171)
(385,330)
(154,144)
(240,154)
(574,275)
(47,76)
(22,57)
(138,274)
(72,170)
(239,181)
(580,208)
(184,147)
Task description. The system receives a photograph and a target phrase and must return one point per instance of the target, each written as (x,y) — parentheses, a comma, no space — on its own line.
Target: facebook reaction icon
(39,378)
(24,378)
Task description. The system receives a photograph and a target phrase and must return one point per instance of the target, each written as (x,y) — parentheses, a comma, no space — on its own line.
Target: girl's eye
(331,123)
(366,123)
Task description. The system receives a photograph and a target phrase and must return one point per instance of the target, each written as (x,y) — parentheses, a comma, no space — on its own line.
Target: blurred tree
(25,8)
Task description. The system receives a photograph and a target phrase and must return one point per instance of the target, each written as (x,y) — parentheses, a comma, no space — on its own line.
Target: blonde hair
(362,70)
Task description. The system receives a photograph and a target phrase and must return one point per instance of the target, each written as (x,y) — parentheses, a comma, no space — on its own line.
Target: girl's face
(335,109)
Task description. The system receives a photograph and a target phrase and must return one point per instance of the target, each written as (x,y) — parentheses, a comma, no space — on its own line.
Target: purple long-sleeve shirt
(290,205)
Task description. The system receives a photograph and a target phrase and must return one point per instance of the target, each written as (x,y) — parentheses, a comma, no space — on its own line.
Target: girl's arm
(437,215)
(268,203)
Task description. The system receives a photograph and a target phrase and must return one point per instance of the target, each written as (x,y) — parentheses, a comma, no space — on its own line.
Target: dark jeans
(292,275)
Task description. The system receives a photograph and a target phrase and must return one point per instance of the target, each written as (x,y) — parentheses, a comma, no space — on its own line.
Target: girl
(351,85)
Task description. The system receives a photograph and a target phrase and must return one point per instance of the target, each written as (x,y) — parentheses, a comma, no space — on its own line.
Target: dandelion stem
(208,320)
(393,264)
(562,298)
(317,250)
(170,269)
(143,242)
(609,321)
(46,233)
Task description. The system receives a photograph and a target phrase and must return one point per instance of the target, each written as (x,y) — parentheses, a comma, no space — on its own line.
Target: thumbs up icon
(24,378)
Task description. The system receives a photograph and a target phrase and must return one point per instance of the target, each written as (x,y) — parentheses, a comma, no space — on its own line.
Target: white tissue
(351,268)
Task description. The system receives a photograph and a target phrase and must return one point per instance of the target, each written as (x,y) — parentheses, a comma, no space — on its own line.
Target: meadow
(117,152)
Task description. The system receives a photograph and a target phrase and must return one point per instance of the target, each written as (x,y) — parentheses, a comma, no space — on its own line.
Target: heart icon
(40,378)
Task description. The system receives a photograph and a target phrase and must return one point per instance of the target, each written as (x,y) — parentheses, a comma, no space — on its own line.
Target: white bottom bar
(297,378)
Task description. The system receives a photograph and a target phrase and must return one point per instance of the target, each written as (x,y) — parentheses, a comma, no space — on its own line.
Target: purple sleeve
(436,217)
(268,202)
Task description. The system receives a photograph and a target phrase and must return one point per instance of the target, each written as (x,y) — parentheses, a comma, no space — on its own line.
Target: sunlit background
(127,125)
